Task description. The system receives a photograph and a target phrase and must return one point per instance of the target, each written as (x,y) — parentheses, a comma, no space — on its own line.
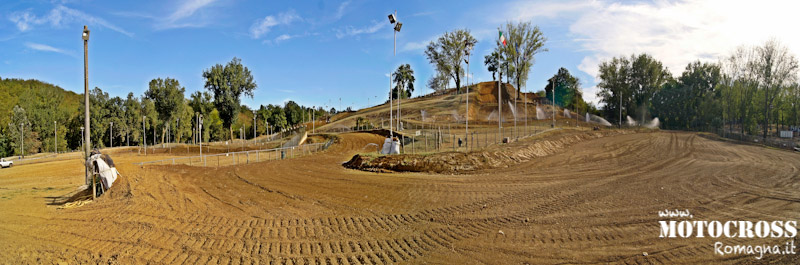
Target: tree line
(43,114)
(753,90)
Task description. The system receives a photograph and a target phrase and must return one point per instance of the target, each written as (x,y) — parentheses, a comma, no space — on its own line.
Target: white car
(4,163)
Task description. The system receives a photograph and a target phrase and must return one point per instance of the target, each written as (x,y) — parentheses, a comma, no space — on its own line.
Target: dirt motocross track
(594,202)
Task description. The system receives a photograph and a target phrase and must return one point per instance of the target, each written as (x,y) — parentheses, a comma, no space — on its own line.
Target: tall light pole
(553,125)
(467,50)
(397,26)
(87,143)
(144,135)
(525,103)
(200,130)
(111,135)
(254,127)
(22,138)
(499,99)
(391,119)
(313,119)
(55,138)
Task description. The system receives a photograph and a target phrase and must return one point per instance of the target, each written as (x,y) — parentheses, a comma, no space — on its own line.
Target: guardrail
(243,157)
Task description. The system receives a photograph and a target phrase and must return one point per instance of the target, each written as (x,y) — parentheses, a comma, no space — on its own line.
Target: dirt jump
(595,201)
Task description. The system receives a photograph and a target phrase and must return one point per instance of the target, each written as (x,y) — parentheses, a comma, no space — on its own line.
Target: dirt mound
(458,162)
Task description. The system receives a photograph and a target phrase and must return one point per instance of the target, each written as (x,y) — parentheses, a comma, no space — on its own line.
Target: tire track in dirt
(599,194)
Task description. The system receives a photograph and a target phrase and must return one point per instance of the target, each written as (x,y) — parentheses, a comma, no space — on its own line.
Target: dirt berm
(495,157)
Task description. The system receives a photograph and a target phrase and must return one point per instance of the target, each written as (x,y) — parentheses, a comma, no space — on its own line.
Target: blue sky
(315,52)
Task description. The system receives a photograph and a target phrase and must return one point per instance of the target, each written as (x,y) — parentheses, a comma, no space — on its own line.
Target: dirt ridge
(460,162)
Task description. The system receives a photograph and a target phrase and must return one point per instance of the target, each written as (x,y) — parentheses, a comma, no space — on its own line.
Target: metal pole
(466,117)
(86,139)
(55,134)
(200,129)
(22,138)
(554,103)
(144,136)
(525,103)
(395,35)
(391,119)
(499,103)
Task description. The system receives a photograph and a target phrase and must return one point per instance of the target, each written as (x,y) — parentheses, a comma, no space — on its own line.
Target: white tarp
(107,173)
(390,147)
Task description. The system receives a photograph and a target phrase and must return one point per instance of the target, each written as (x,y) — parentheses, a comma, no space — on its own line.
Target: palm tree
(404,80)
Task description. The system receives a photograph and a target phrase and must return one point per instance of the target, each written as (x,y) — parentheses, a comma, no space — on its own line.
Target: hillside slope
(448,107)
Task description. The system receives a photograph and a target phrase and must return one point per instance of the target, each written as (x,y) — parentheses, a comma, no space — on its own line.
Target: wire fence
(243,157)
(430,138)
(782,143)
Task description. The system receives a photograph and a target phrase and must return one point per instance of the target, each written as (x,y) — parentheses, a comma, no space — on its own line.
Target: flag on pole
(502,39)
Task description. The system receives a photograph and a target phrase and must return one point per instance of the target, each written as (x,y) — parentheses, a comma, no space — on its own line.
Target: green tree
(183,129)
(524,42)
(167,96)
(293,113)
(133,118)
(21,133)
(438,82)
(492,63)
(115,109)
(213,127)
(404,81)
(447,53)
(228,83)
(201,102)
(568,90)
(151,120)
(635,81)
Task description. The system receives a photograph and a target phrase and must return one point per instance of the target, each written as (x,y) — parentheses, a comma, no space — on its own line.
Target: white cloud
(341,10)
(262,26)
(352,31)
(674,32)
(46,48)
(415,46)
(58,17)
(282,38)
(187,9)
(183,16)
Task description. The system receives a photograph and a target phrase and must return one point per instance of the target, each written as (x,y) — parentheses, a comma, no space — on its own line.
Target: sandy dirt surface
(594,202)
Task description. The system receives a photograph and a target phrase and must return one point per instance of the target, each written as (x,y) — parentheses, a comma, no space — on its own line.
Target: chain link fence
(243,157)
